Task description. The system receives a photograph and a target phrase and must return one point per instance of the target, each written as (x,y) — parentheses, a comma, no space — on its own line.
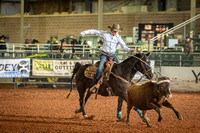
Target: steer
(150,95)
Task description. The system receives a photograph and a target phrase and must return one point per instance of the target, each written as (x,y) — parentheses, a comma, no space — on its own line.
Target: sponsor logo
(23,66)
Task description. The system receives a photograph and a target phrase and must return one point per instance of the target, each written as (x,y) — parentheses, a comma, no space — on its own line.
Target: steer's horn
(163,81)
(153,80)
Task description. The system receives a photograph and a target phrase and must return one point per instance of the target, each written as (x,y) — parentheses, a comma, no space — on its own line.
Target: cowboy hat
(72,37)
(115,27)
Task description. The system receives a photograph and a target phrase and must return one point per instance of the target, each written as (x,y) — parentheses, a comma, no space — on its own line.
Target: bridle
(144,70)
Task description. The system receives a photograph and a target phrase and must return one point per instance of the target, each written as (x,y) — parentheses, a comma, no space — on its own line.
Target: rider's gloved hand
(82,34)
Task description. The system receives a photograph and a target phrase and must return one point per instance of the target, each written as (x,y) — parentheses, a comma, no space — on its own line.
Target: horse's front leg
(128,113)
(82,100)
(86,98)
(121,98)
(119,108)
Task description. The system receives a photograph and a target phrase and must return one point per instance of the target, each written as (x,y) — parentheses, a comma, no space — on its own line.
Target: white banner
(55,67)
(14,68)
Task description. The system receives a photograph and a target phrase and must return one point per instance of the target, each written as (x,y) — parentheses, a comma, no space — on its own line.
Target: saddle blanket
(90,71)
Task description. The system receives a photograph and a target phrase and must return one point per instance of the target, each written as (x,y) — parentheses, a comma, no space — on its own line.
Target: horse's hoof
(77,111)
(180,117)
(160,118)
(85,116)
(128,123)
(148,125)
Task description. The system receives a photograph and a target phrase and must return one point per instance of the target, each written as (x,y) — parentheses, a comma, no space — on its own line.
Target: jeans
(103,59)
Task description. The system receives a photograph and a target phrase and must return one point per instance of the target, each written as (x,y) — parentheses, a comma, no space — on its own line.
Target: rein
(120,77)
(141,60)
(142,64)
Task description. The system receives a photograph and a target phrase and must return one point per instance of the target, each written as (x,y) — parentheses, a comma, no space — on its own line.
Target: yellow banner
(43,65)
(55,67)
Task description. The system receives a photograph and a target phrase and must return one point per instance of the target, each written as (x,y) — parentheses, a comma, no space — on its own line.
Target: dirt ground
(47,110)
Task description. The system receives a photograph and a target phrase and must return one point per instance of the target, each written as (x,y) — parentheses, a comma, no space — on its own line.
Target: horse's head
(143,64)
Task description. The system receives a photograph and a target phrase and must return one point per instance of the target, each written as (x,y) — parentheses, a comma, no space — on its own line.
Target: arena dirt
(47,110)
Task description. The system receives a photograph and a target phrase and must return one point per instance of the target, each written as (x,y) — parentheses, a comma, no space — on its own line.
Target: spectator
(86,47)
(34,41)
(100,44)
(54,41)
(188,46)
(48,45)
(26,44)
(2,45)
(85,43)
(73,42)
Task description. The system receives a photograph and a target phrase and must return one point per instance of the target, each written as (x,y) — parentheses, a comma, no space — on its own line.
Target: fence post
(38,47)
(149,44)
(51,50)
(184,33)
(160,63)
(180,60)
(13,50)
(83,50)
(161,42)
(15,83)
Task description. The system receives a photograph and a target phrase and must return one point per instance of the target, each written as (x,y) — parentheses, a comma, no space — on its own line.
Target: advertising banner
(14,68)
(55,67)
(42,67)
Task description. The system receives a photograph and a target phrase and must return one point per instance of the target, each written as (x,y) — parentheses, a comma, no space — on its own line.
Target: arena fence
(41,57)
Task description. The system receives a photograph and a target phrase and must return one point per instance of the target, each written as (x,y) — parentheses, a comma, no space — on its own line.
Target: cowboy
(2,45)
(111,41)
(188,49)
(73,42)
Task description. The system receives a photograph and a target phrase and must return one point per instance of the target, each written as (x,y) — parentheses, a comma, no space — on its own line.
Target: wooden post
(192,14)
(100,14)
(87,5)
(70,6)
(22,23)
(45,6)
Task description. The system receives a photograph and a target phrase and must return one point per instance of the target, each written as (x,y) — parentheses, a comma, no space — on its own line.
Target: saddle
(90,71)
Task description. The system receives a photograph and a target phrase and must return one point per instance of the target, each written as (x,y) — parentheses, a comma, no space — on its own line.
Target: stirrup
(93,90)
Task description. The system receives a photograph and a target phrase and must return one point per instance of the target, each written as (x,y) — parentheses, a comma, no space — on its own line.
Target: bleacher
(173,59)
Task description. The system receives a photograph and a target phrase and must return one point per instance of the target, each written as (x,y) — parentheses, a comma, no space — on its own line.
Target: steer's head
(164,87)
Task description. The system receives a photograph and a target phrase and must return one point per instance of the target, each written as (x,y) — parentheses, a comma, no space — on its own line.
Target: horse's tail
(76,68)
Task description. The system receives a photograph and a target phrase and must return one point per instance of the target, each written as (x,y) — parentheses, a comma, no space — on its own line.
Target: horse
(121,74)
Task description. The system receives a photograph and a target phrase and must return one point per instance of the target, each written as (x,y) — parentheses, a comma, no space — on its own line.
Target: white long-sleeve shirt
(111,42)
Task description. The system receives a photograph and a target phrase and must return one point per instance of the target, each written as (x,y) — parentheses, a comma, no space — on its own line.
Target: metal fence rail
(176,27)
(164,58)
